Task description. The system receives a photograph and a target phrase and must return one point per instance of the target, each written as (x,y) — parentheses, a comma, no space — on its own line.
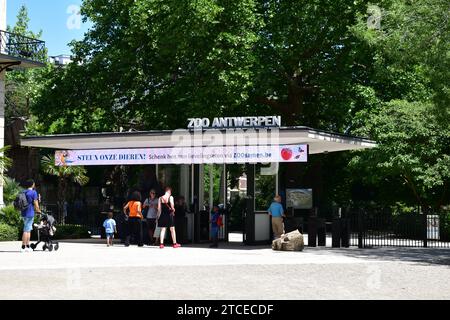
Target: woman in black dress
(166,212)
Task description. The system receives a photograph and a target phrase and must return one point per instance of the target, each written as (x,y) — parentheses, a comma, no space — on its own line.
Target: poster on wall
(299,198)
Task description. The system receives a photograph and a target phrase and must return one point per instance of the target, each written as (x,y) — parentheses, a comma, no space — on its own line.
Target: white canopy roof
(318,141)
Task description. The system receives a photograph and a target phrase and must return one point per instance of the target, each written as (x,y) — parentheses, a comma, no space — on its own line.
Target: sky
(58,20)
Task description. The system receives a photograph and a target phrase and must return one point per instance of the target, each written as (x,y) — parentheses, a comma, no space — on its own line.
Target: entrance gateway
(260,144)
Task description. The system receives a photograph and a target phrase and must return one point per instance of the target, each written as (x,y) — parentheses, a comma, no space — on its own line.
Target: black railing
(18,46)
(375,228)
(398,230)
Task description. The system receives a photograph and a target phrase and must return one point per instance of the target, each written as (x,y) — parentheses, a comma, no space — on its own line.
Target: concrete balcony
(20,52)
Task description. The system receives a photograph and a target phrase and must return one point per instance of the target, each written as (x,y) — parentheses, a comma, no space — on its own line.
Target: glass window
(265,187)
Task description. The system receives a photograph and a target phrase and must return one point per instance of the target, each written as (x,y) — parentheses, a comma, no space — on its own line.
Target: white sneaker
(23,250)
(28,250)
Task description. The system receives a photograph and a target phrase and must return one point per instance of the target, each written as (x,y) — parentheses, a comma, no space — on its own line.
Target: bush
(10,216)
(8,233)
(11,189)
(70,231)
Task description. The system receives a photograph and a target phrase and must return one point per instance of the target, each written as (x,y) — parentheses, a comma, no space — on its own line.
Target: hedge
(8,233)
(70,231)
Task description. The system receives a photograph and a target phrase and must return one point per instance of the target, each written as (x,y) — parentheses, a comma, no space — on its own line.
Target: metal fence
(375,229)
(19,46)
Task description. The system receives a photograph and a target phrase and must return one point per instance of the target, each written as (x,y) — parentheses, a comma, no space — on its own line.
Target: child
(47,222)
(110,229)
(216,223)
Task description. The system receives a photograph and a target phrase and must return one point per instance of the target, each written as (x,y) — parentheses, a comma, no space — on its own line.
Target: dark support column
(196,203)
(250,205)
(345,232)
(336,233)
(312,231)
(321,233)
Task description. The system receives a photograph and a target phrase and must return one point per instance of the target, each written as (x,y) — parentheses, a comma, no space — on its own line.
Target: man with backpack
(27,203)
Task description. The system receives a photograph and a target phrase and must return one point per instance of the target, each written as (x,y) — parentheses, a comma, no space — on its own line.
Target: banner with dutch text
(183,155)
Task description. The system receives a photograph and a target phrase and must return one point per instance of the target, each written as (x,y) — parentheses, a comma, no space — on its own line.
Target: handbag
(145,211)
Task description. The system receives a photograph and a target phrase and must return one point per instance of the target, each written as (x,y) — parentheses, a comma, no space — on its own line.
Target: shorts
(109,235)
(28,224)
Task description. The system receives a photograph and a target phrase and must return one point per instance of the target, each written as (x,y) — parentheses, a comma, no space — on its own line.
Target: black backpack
(21,202)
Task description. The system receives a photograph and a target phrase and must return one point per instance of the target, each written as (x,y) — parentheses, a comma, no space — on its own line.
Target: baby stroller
(45,230)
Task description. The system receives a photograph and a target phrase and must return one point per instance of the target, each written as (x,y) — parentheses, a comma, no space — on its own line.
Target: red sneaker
(161,246)
(177,245)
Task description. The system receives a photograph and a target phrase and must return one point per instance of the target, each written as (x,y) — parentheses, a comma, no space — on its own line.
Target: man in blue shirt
(28,214)
(276,211)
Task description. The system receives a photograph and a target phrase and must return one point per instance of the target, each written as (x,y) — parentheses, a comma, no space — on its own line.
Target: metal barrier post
(424,232)
(360,230)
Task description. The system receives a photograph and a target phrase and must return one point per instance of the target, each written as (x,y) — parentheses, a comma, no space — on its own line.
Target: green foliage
(143,59)
(11,188)
(69,231)
(23,86)
(75,173)
(412,145)
(64,174)
(8,233)
(150,64)
(5,161)
(236,214)
(415,33)
(10,216)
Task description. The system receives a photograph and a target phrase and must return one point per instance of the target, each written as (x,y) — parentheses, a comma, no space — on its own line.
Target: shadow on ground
(440,256)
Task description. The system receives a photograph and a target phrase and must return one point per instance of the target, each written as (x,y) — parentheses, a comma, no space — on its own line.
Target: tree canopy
(379,70)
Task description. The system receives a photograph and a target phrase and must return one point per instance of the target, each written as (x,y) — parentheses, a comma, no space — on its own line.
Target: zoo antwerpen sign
(183,155)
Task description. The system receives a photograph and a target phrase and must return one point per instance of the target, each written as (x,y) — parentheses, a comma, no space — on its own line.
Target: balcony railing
(18,46)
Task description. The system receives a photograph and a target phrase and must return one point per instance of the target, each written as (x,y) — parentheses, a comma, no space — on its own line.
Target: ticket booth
(203,153)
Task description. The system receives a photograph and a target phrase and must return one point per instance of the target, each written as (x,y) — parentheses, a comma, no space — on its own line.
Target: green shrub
(10,215)
(11,189)
(8,233)
(70,231)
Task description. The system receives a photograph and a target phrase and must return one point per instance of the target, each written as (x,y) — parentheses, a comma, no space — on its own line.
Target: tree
(23,86)
(142,60)
(150,64)
(64,174)
(411,60)
(413,146)
(415,33)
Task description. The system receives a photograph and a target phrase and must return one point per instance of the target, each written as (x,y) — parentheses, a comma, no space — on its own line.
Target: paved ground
(90,270)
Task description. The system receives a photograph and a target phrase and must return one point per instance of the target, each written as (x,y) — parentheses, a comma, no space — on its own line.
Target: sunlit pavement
(90,270)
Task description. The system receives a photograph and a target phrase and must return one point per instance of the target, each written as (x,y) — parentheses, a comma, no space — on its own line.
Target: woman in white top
(151,207)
